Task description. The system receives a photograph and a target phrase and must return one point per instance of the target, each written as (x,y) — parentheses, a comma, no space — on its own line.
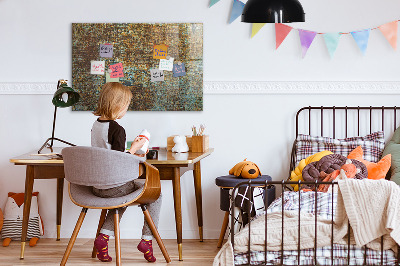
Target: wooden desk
(171,167)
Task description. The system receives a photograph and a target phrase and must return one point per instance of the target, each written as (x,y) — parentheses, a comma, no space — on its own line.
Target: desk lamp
(64,97)
(272,11)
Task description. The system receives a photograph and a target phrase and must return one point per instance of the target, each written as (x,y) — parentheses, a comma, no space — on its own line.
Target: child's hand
(142,155)
(137,144)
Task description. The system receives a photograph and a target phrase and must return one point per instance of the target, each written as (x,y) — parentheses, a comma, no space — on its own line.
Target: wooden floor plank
(49,252)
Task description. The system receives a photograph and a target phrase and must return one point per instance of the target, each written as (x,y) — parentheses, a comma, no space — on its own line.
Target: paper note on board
(160,51)
(117,71)
(156,75)
(110,79)
(106,50)
(166,64)
(97,67)
(179,70)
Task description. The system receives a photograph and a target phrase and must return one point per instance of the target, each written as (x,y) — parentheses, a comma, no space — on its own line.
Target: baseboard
(246,87)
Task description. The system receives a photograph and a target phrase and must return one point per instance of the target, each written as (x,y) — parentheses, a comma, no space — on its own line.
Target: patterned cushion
(372,144)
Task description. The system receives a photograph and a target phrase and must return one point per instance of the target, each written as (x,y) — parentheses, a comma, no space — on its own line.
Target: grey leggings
(154,208)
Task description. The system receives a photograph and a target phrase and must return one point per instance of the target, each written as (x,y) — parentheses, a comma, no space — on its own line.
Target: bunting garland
(281,31)
(361,37)
(306,39)
(213,2)
(332,41)
(237,9)
(389,30)
(256,27)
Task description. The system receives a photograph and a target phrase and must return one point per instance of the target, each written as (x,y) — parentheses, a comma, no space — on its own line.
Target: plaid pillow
(372,145)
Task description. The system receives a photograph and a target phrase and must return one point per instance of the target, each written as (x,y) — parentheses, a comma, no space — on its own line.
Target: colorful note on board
(117,71)
(106,50)
(179,70)
(156,75)
(97,67)
(110,79)
(160,51)
(166,64)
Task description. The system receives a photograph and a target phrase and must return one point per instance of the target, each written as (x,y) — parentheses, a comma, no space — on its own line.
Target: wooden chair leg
(154,230)
(117,238)
(223,229)
(73,237)
(101,222)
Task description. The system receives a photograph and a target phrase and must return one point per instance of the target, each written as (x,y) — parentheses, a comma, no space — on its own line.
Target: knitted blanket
(371,207)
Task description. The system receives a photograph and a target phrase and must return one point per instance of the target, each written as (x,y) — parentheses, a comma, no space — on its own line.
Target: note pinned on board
(179,70)
(97,67)
(160,51)
(117,71)
(110,79)
(106,50)
(166,64)
(156,75)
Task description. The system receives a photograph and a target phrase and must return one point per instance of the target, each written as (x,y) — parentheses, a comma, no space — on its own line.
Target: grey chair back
(91,166)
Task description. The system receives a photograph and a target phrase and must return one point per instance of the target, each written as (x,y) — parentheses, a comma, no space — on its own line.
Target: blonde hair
(113,97)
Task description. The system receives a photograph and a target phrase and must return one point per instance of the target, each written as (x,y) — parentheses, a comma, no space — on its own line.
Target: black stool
(226,183)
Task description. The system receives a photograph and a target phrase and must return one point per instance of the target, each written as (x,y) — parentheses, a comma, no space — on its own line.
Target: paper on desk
(97,67)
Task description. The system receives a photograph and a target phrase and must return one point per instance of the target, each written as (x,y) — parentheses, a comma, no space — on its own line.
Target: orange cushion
(375,170)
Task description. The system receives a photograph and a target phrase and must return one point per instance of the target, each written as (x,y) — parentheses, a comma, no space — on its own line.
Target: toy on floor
(13,215)
(245,169)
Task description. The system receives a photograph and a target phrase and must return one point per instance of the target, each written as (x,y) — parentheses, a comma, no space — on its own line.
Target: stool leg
(223,229)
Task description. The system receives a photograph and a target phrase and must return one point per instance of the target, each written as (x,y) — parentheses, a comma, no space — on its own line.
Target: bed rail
(265,185)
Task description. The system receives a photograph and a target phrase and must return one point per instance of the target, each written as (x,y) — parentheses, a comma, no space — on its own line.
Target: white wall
(36,47)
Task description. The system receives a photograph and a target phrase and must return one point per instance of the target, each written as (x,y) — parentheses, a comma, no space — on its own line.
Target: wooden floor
(50,252)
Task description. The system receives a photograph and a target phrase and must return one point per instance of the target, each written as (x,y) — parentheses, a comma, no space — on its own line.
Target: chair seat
(83,196)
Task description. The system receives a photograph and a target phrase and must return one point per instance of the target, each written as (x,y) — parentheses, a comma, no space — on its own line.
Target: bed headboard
(344,121)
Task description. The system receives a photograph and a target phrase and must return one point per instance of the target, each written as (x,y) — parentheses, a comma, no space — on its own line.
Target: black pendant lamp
(273,11)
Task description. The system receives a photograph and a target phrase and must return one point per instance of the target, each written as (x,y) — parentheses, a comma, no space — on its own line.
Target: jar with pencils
(200,141)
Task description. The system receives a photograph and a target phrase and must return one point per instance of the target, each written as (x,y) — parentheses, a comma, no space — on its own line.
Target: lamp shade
(65,96)
(273,11)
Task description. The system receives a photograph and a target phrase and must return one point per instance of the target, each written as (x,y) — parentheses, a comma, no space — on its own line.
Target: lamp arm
(54,126)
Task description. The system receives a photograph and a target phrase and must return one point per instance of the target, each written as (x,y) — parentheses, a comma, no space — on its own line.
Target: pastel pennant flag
(256,27)
(237,9)
(306,39)
(389,30)
(281,31)
(332,41)
(361,37)
(213,2)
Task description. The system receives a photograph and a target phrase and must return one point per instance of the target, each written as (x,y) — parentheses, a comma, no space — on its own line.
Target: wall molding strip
(246,87)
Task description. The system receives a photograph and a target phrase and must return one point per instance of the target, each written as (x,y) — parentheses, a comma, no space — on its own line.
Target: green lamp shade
(65,96)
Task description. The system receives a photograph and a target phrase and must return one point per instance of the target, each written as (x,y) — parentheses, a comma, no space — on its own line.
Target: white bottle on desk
(144,134)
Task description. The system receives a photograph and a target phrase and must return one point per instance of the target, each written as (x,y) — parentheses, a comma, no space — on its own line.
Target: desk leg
(176,182)
(199,204)
(60,190)
(27,206)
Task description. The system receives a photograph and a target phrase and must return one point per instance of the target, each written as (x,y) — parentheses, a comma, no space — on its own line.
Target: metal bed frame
(283,184)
